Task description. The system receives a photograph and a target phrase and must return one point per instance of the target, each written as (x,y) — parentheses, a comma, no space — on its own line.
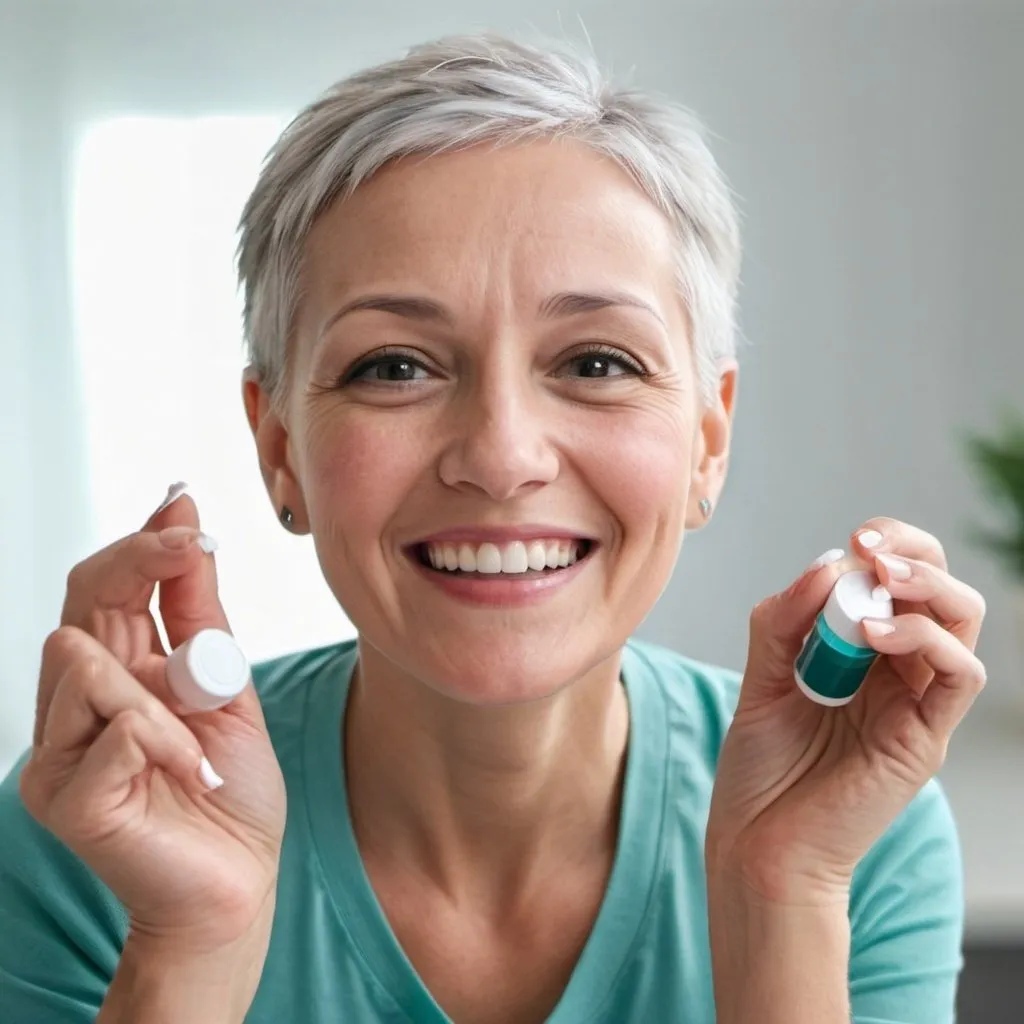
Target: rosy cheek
(642,460)
(360,467)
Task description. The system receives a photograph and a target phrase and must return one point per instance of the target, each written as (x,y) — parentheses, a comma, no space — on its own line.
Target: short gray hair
(464,90)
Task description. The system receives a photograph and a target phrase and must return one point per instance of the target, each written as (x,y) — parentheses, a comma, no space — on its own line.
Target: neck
(484,798)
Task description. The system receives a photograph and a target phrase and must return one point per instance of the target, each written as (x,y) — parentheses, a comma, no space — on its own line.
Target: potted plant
(998,459)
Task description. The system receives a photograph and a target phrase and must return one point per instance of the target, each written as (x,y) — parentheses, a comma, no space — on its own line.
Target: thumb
(779,624)
(189,602)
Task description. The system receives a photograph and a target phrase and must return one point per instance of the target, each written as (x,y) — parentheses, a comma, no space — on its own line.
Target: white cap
(208,671)
(856,596)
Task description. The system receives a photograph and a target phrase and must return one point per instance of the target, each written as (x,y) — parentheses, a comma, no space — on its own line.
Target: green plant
(999,462)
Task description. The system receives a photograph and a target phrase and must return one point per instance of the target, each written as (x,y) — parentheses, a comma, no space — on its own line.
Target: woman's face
(493,369)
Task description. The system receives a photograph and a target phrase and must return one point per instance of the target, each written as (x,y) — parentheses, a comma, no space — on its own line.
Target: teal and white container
(835,657)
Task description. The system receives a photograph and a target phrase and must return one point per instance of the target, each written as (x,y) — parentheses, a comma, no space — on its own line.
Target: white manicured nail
(207,543)
(899,568)
(174,492)
(881,594)
(830,556)
(869,538)
(210,778)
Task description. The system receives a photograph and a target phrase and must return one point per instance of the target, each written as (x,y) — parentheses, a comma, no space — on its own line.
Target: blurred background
(878,150)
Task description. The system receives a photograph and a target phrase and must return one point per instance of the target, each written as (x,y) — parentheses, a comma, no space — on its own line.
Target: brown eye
(599,364)
(396,369)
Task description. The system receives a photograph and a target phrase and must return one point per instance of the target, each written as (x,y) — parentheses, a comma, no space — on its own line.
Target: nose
(500,443)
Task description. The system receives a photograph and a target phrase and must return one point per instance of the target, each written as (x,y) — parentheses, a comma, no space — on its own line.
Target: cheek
(639,462)
(358,469)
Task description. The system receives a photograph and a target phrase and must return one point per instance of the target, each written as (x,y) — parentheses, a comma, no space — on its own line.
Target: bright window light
(158,329)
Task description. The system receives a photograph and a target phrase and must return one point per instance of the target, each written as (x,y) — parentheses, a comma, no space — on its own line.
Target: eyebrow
(564,304)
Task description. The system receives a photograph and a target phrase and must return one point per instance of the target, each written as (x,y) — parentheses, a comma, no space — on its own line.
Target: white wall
(879,151)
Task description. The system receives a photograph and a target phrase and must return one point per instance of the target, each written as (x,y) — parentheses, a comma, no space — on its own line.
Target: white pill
(208,671)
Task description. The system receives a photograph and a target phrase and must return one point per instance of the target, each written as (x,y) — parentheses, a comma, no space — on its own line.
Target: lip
(500,535)
(499,590)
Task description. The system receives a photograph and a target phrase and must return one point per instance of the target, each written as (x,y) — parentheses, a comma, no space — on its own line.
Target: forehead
(539,211)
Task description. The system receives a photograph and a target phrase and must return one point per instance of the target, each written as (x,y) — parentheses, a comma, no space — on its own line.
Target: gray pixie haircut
(465,90)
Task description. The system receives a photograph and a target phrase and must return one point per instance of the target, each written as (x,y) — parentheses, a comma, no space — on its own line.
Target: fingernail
(878,627)
(830,556)
(174,492)
(869,538)
(178,537)
(899,568)
(211,780)
(207,543)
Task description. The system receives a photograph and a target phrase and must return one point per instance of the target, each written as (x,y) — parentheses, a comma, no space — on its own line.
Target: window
(158,331)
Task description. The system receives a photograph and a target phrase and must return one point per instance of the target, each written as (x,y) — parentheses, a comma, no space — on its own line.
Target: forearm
(160,986)
(776,964)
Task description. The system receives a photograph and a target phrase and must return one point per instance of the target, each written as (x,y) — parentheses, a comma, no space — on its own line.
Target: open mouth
(515,560)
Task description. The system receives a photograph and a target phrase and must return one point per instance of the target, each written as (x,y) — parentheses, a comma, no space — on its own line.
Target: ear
(711,445)
(273,451)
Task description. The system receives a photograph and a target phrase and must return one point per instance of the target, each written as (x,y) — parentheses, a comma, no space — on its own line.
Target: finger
(129,744)
(174,492)
(189,601)
(123,575)
(958,607)
(959,675)
(61,649)
(779,624)
(883,534)
(92,690)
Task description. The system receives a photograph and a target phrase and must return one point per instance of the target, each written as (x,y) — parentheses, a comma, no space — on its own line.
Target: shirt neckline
(630,885)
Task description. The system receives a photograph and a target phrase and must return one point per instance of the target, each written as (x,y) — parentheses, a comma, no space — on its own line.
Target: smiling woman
(489,304)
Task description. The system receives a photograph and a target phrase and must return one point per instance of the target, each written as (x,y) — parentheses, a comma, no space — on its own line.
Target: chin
(497,671)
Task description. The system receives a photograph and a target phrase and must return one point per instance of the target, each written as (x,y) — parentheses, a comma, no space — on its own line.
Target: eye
(600,362)
(396,368)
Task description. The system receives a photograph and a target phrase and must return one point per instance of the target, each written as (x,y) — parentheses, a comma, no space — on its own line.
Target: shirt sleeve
(61,929)
(906,918)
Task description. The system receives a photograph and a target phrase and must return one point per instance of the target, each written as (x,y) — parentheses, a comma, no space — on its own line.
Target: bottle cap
(208,671)
(856,596)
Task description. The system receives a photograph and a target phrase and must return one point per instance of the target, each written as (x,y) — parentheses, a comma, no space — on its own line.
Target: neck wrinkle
(484,803)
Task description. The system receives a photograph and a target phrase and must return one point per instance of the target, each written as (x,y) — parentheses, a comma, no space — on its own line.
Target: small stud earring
(287,517)
(705,507)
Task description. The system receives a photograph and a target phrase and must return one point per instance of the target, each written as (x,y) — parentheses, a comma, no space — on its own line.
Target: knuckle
(760,616)
(979,676)
(64,644)
(127,724)
(77,578)
(880,523)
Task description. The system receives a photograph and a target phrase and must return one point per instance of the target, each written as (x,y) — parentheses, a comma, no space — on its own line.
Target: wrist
(164,981)
(778,963)
(764,873)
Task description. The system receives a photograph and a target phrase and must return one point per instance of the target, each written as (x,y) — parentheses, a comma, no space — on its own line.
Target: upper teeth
(516,557)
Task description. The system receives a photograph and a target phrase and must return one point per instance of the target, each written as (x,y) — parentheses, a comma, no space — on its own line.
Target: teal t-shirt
(334,958)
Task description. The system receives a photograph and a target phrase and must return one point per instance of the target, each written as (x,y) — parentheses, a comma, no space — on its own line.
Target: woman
(489,304)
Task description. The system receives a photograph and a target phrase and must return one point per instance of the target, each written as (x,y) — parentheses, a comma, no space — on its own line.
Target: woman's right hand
(116,769)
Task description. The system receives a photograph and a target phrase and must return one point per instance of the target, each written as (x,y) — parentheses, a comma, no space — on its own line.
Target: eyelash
(632,366)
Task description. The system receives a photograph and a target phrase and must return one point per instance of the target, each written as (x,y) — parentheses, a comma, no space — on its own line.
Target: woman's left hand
(803,791)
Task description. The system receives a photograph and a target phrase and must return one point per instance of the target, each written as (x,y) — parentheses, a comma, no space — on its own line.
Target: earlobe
(711,451)
(272,449)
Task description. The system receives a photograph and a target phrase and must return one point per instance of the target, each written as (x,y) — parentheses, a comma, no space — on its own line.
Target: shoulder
(907,917)
(288,684)
(699,698)
(914,868)
(281,678)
